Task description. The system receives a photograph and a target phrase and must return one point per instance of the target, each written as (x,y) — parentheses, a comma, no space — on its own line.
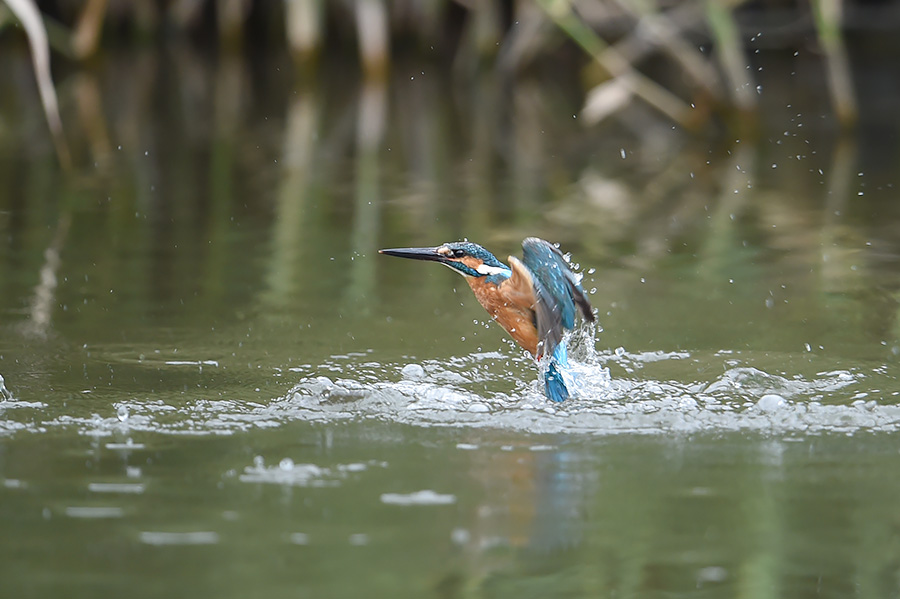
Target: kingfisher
(535,299)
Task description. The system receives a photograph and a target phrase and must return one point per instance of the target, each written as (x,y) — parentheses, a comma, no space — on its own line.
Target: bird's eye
(459,253)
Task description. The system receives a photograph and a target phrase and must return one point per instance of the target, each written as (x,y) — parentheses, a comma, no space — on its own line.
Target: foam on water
(614,392)
(499,391)
(741,398)
(5,394)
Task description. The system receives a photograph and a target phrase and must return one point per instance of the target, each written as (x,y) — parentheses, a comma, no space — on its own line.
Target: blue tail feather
(554,384)
(555,387)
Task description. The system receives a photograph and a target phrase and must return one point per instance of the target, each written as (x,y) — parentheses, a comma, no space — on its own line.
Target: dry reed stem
(27,13)
(828,16)
(560,11)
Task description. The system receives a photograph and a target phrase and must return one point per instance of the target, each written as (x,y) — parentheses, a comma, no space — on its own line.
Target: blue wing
(557,290)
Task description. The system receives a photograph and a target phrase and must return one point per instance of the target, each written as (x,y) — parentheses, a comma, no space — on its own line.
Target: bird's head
(467,258)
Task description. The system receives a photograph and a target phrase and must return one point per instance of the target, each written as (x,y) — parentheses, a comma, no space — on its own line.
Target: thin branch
(86,37)
(560,11)
(828,16)
(27,13)
(726,35)
(657,29)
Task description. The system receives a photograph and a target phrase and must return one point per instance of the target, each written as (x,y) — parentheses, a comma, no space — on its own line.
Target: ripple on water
(286,472)
(94,512)
(425,497)
(179,538)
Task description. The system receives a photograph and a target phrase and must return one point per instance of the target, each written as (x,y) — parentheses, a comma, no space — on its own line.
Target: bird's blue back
(549,267)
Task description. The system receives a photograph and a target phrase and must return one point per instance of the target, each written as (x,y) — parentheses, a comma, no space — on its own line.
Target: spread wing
(556,289)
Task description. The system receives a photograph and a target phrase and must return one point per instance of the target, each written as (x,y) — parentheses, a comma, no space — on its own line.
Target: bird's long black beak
(415,253)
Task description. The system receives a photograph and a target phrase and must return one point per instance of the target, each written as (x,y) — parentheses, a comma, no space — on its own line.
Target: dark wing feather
(557,290)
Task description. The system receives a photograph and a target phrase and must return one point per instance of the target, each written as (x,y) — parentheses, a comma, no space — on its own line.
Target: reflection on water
(210,372)
(492,513)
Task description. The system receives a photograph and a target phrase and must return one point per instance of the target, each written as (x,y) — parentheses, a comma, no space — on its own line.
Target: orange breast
(514,312)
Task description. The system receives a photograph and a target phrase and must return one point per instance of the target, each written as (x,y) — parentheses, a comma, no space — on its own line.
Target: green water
(218,387)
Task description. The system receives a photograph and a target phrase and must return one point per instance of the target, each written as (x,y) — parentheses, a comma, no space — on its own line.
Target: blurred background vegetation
(689,61)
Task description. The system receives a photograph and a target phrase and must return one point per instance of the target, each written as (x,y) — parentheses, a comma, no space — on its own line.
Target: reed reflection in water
(167,155)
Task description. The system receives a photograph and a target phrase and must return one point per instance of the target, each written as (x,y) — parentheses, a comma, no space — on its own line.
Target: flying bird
(535,299)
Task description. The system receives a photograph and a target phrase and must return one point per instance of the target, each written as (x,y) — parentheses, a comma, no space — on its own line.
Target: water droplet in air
(412,371)
(460,536)
(712,574)
(122,413)
(770,402)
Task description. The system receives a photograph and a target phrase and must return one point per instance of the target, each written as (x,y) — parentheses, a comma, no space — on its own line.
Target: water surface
(215,384)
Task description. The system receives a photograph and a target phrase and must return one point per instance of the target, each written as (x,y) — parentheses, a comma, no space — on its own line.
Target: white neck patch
(484,269)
